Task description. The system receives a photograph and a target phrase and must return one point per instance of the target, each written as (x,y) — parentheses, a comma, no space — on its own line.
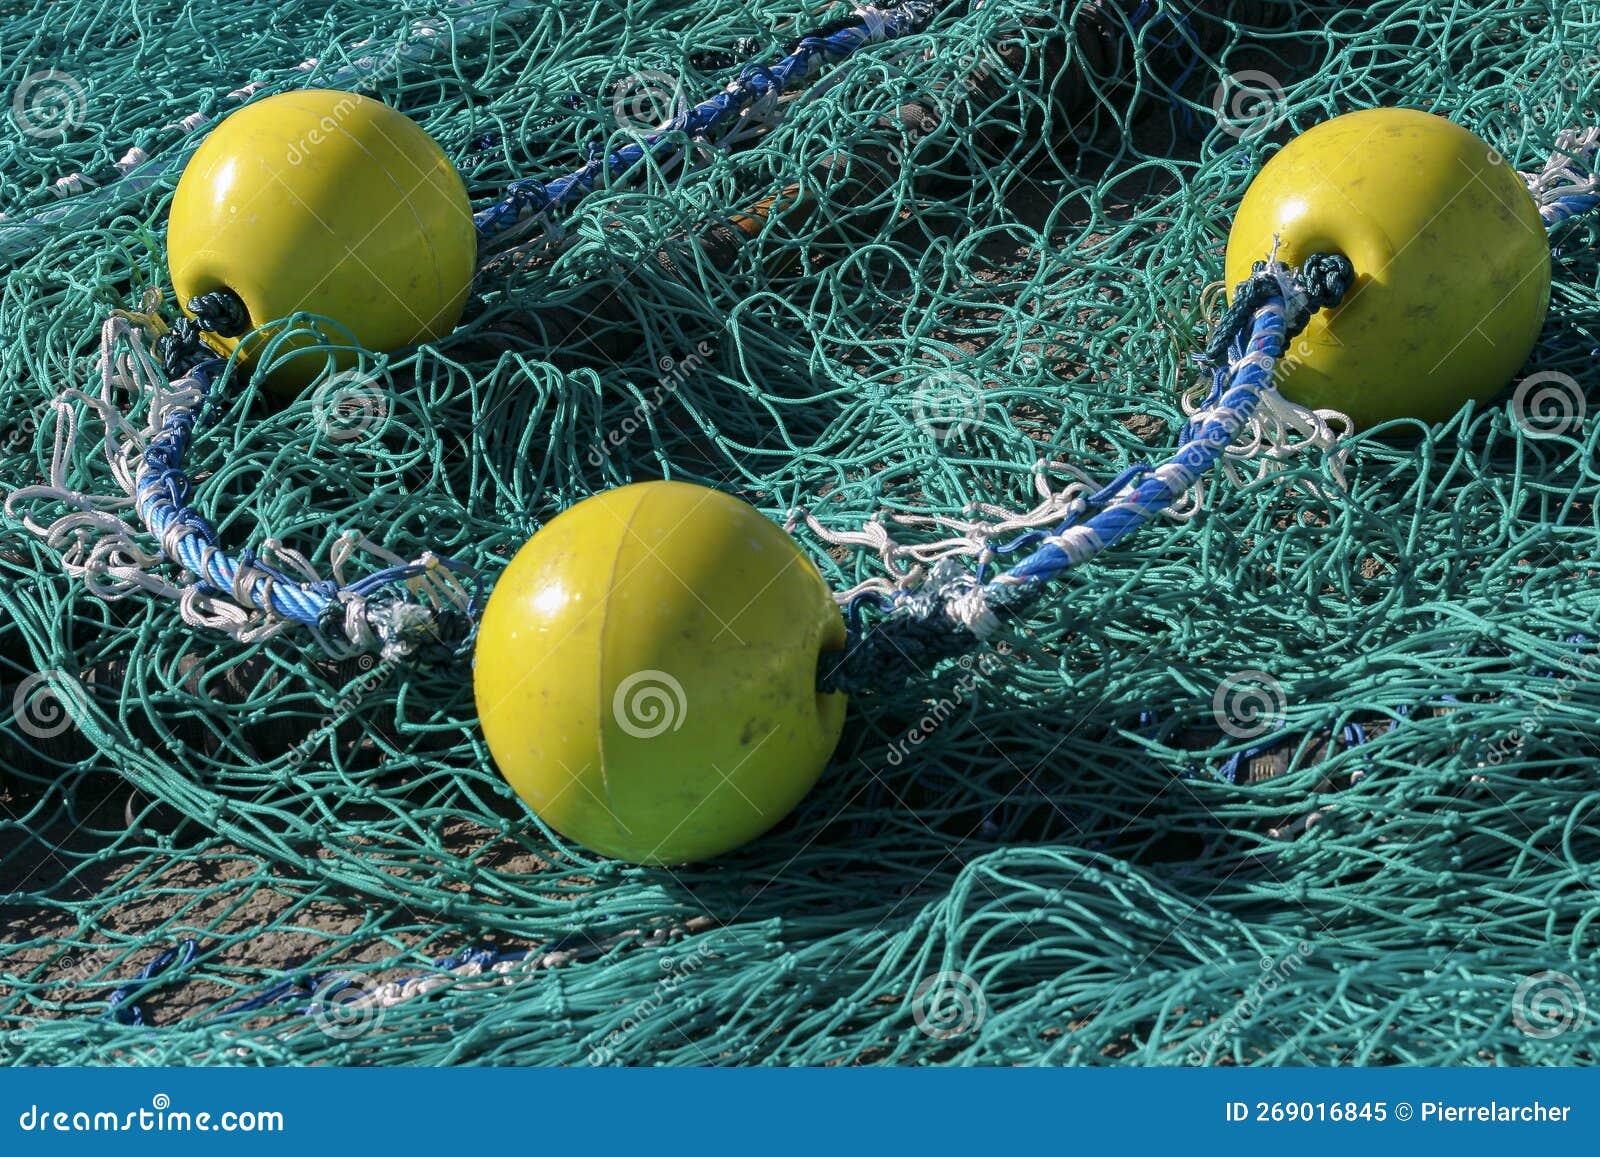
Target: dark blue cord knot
(1322,279)
(222,312)
(182,348)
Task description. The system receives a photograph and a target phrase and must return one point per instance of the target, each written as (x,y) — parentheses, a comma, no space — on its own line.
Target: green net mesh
(1071,862)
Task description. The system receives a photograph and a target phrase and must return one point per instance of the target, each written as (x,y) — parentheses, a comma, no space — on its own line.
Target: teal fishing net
(1307,778)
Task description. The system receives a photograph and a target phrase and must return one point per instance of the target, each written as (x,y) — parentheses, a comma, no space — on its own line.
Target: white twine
(511,972)
(968,537)
(101,540)
(1280,431)
(1570,170)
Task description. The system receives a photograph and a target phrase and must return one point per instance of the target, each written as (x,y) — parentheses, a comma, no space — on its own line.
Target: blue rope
(1561,209)
(1158,489)
(122,1005)
(807,57)
(161,492)
(924,626)
(383,618)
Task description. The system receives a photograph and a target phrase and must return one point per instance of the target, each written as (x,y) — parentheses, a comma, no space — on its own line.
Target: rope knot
(1320,282)
(221,312)
(1325,278)
(183,347)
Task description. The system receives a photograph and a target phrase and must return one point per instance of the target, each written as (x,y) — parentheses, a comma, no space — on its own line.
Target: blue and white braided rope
(534,203)
(1138,495)
(243,593)
(239,593)
(161,493)
(1239,394)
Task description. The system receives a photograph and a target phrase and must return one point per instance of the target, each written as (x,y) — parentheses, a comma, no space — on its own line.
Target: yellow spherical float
(646,673)
(1451,260)
(329,203)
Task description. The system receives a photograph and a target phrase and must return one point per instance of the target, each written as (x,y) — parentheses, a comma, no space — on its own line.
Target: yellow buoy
(646,671)
(1452,263)
(330,203)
